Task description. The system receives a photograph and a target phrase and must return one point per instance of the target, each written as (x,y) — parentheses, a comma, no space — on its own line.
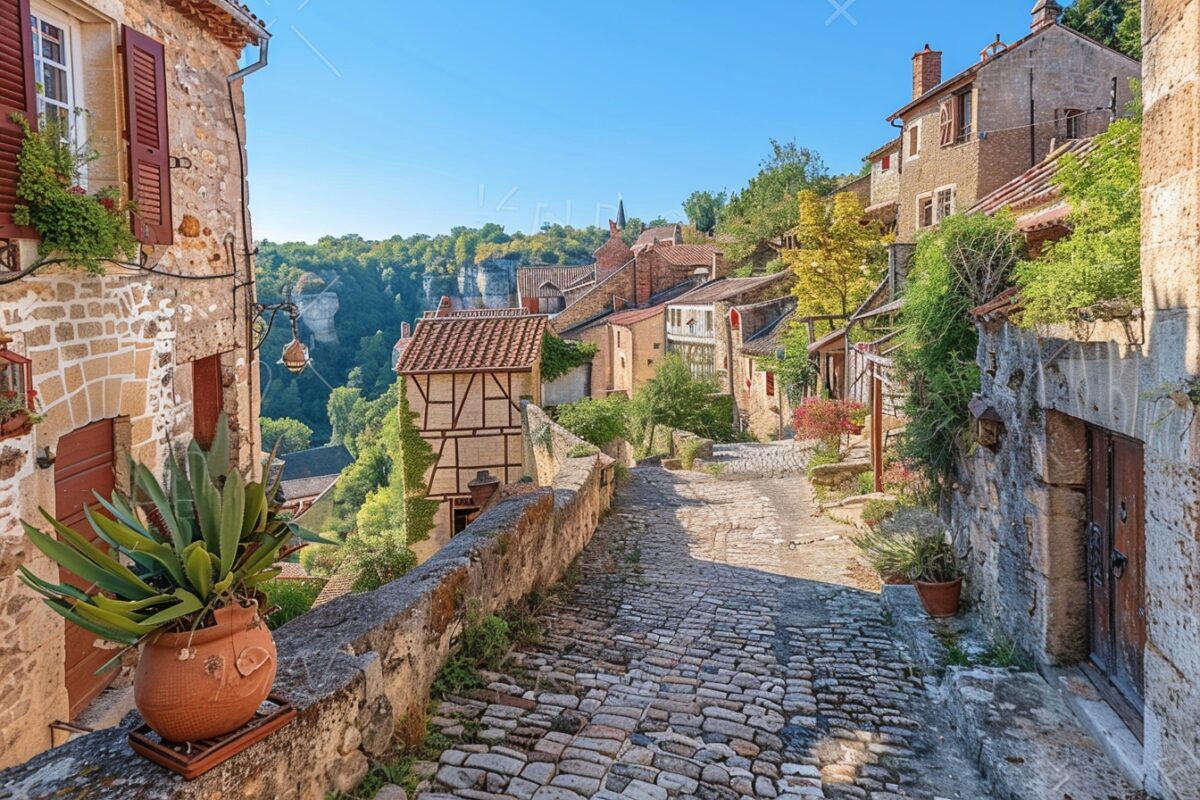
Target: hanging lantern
(295,357)
(16,391)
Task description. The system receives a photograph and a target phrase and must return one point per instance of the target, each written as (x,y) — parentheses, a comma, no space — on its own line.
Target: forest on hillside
(380,284)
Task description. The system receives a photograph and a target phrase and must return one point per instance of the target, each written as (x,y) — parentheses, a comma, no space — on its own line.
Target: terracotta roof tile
(657,233)
(635,315)
(507,340)
(531,279)
(687,255)
(1035,187)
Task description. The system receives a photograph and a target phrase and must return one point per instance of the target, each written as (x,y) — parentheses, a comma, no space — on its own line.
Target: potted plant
(889,554)
(936,574)
(15,415)
(198,548)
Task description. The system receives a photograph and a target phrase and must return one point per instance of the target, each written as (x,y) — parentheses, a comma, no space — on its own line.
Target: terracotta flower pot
(940,599)
(896,580)
(192,686)
(17,422)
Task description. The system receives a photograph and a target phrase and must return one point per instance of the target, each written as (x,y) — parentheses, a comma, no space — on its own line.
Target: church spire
(621,214)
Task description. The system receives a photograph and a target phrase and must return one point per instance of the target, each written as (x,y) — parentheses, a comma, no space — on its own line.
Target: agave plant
(204,541)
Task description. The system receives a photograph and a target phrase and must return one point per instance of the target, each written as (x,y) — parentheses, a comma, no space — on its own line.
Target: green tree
(795,369)
(1100,262)
(838,260)
(962,264)
(1115,23)
(597,421)
(766,208)
(702,209)
(675,398)
(292,434)
(347,413)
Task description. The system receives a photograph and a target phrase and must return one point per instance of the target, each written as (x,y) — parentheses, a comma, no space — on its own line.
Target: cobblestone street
(720,642)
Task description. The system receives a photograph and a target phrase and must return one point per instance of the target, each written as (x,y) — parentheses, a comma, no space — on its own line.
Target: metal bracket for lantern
(295,357)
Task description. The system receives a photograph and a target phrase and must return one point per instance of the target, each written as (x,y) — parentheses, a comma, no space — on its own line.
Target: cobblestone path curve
(718,646)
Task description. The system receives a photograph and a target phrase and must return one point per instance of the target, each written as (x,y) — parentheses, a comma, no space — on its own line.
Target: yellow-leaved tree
(839,257)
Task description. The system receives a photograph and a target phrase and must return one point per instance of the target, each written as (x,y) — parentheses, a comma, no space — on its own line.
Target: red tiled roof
(659,233)
(531,279)
(727,289)
(1035,186)
(634,315)
(231,22)
(999,307)
(687,255)
(506,341)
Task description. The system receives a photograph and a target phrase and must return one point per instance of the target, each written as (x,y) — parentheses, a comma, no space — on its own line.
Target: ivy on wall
(560,356)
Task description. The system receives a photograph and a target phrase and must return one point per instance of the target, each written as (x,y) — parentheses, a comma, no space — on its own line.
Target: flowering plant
(826,420)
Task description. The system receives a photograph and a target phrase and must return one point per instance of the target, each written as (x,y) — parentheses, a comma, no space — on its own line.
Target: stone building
(761,402)
(885,185)
(1076,513)
(143,358)
(636,340)
(466,373)
(698,325)
(964,136)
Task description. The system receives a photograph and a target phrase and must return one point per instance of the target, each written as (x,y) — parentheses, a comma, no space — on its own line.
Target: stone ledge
(355,667)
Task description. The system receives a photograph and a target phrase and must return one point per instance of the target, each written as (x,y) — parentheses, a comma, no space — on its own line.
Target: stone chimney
(927,70)
(405,330)
(443,309)
(613,231)
(1045,13)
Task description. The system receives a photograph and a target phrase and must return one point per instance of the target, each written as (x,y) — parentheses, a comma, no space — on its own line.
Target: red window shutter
(18,95)
(886,163)
(770,384)
(946,125)
(149,142)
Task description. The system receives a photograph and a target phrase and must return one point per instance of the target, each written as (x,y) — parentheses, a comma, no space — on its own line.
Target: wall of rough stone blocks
(119,346)
(1171,297)
(358,666)
(598,300)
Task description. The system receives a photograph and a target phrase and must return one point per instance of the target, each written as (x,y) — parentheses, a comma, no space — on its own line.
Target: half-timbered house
(465,374)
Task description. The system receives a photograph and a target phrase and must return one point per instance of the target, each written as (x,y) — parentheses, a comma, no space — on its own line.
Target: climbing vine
(560,356)
(84,231)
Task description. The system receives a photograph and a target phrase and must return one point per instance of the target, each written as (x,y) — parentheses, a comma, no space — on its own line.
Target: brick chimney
(405,330)
(927,70)
(1045,13)
(443,309)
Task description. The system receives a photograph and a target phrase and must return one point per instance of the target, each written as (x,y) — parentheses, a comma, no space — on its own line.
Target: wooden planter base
(193,759)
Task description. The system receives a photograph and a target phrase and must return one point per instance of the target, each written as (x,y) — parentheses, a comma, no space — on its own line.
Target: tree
(1100,262)
(795,369)
(292,434)
(347,412)
(838,259)
(766,208)
(702,209)
(597,421)
(1115,23)
(962,264)
(676,398)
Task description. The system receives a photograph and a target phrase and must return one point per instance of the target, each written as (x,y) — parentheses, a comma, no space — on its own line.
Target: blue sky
(383,117)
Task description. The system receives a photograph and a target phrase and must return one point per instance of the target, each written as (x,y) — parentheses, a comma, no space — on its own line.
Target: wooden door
(207,400)
(1116,563)
(85,464)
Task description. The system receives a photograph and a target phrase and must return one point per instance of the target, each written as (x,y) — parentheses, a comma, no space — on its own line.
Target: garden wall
(356,667)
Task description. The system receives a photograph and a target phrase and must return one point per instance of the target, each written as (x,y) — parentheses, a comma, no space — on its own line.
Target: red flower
(77,190)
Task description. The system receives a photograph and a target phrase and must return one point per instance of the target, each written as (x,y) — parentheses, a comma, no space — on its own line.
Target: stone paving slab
(718,646)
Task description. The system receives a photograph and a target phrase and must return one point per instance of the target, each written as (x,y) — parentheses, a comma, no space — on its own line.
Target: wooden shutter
(149,142)
(207,399)
(947,128)
(18,95)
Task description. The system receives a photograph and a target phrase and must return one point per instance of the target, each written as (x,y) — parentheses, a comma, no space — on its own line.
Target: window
(945,203)
(885,163)
(964,118)
(1072,119)
(658,345)
(54,72)
(914,140)
(770,384)
(708,321)
(618,338)
(925,211)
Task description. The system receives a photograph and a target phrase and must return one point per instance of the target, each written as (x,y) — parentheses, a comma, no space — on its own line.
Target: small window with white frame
(944,203)
(925,211)
(56,70)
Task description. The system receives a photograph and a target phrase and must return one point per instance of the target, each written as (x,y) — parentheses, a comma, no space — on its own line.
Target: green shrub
(891,555)
(824,454)
(966,262)
(293,598)
(321,560)
(560,356)
(483,645)
(874,512)
(596,421)
(933,559)
(675,398)
(582,451)
(864,483)
(1101,260)
(687,455)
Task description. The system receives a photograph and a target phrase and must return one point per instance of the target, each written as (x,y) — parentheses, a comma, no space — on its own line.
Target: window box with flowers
(17,416)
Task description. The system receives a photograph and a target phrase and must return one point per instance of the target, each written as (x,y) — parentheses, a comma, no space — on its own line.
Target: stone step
(1027,742)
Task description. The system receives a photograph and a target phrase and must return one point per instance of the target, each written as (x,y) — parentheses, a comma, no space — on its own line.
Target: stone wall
(358,666)
(119,346)
(612,293)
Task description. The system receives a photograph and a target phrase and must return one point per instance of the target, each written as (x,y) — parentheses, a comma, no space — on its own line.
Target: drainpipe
(247,253)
